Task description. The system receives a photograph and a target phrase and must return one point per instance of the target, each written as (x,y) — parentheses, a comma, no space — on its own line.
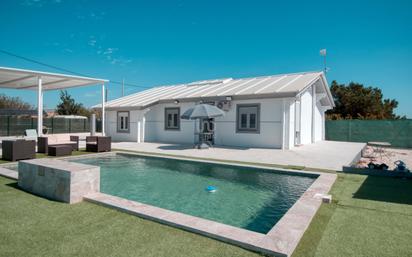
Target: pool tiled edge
(226,233)
(287,233)
(281,240)
(7,173)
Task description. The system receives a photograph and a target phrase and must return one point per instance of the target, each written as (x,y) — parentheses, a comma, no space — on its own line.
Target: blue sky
(151,43)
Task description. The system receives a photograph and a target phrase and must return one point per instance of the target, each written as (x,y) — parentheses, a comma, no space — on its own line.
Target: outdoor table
(60,150)
(379,147)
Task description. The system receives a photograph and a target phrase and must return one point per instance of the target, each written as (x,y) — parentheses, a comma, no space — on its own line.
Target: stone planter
(59,180)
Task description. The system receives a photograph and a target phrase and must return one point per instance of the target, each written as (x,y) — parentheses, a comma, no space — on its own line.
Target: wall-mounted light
(228,98)
(177,102)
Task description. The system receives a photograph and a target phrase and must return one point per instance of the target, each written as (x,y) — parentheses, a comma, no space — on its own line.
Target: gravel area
(385,155)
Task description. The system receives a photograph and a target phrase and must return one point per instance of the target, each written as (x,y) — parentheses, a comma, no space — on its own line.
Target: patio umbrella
(202,111)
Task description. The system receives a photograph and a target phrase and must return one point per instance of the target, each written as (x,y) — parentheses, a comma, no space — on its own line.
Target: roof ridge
(258,77)
(281,74)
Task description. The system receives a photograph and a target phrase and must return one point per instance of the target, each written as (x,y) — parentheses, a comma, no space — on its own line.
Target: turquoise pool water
(250,198)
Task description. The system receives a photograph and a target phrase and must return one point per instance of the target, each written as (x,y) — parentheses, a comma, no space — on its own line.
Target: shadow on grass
(386,189)
(14,185)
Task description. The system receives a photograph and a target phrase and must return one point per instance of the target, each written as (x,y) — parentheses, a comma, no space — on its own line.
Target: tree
(354,101)
(8,102)
(68,106)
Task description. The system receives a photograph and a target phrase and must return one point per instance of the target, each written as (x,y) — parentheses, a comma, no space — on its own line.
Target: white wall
(306,117)
(270,135)
(319,122)
(155,125)
(111,126)
(290,128)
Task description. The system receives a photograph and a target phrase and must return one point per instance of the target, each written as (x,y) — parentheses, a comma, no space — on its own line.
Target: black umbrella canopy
(202,111)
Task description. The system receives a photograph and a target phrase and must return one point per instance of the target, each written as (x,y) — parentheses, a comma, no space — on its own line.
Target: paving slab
(330,155)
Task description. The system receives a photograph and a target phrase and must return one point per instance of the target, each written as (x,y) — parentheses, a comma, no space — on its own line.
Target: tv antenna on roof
(322,52)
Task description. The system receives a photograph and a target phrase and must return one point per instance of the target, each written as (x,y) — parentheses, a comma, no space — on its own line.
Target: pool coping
(281,240)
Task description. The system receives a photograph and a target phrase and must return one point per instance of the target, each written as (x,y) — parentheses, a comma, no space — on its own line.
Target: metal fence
(396,132)
(15,126)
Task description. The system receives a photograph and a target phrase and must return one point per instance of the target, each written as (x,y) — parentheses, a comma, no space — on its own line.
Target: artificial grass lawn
(33,226)
(370,216)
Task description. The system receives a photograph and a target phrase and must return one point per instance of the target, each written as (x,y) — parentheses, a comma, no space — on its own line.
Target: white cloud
(97,15)
(39,3)
(109,51)
(92,42)
(120,61)
(109,54)
(93,15)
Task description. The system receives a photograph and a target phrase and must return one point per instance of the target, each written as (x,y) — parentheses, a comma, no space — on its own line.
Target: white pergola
(44,81)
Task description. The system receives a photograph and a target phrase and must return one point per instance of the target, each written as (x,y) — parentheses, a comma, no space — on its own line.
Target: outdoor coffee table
(60,150)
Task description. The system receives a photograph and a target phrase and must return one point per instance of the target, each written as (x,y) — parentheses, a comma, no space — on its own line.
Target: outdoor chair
(45,141)
(98,144)
(30,134)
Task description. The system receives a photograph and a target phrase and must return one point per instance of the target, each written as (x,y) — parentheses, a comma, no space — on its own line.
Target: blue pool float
(211,189)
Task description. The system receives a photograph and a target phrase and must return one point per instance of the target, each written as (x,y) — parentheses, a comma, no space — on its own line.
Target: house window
(123,122)
(172,118)
(248,118)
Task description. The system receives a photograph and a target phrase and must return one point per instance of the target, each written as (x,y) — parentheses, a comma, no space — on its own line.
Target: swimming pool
(250,198)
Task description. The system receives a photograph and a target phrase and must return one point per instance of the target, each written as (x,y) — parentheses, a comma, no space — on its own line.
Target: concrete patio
(330,155)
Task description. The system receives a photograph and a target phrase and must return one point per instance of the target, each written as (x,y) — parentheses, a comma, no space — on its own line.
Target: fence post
(70,126)
(84,125)
(8,125)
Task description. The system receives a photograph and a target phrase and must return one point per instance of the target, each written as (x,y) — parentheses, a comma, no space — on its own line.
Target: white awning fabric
(28,79)
(13,78)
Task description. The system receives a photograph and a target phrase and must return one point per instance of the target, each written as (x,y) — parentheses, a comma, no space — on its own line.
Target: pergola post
(103,111)
(39,106)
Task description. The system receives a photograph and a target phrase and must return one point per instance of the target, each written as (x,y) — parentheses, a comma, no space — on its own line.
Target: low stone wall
(58,180)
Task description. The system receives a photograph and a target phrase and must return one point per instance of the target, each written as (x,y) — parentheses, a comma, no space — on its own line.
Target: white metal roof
(27,79)
(286,85)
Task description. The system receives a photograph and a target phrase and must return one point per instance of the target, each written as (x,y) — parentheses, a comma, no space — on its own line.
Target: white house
(279,111)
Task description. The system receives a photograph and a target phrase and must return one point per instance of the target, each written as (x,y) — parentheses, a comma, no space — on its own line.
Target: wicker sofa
(98,144)
(45,141)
